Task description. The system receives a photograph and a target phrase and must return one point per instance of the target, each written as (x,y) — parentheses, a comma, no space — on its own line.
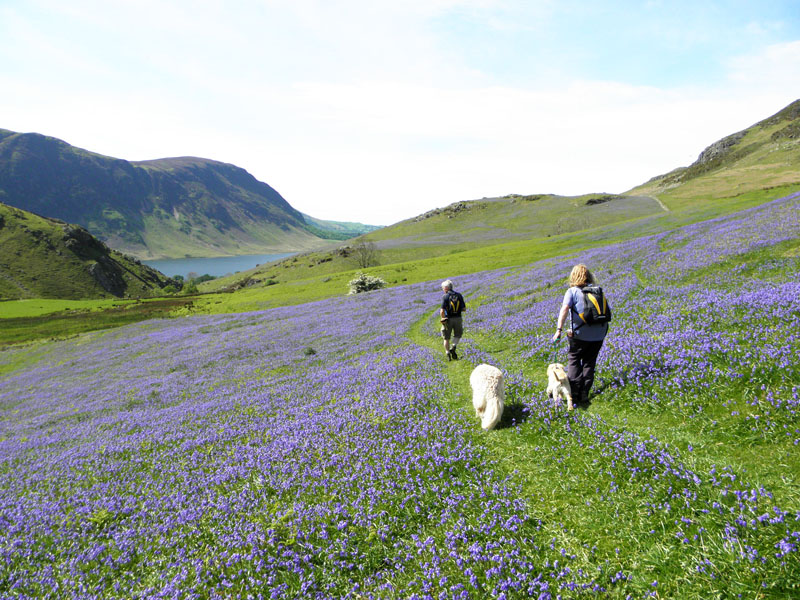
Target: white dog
(487,394)
(558,384)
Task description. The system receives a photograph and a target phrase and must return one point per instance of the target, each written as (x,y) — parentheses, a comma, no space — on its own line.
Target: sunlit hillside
(766,155)
(744,169)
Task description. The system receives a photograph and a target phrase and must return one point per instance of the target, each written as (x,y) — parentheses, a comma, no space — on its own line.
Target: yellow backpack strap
(596,304)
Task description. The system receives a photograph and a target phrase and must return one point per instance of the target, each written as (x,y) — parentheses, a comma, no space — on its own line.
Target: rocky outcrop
(720,148)
(109,275)
(450,211)
(82,243)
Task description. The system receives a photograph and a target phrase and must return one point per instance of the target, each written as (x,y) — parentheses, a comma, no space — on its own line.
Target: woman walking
(585,340)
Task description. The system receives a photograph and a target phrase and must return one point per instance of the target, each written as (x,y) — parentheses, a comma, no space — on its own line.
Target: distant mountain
(763,156)
(48,258)
(337,230)
(167,208)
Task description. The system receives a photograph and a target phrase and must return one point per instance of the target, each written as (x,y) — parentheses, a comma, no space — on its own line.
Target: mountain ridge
(160,208)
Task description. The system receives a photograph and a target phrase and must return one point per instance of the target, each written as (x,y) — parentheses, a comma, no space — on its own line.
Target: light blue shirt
(573,298)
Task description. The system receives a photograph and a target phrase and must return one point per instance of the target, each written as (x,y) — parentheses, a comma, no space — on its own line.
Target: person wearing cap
(450,317)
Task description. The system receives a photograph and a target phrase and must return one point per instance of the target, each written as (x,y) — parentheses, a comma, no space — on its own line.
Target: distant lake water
(216,266)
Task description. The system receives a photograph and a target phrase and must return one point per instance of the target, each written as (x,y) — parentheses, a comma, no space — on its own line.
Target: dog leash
(555,350)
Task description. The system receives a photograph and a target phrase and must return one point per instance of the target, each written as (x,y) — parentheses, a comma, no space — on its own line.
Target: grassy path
(550,475)
(587,509)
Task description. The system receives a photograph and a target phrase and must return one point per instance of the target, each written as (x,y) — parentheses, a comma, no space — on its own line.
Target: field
(314,276)
(327,450)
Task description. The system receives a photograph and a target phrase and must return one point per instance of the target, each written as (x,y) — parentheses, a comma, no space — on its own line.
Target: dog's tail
(491,416)
(494,407)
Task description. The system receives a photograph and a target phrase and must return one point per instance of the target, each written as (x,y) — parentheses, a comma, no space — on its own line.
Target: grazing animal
(558,384)
(488,394)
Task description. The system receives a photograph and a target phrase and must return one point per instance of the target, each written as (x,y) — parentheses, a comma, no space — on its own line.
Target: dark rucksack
(595,306)
(455,304)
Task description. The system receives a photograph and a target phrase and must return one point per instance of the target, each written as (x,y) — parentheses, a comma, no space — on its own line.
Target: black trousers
(582,356)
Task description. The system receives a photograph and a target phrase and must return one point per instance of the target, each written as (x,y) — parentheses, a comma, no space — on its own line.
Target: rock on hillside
(48,258)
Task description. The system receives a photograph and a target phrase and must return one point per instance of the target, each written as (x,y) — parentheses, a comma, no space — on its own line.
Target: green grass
(37,307)
(757,162)
(73,321)
(308,278)
(587,503)
(412,263)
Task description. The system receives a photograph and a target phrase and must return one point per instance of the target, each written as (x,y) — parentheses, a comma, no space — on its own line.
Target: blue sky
(373,111)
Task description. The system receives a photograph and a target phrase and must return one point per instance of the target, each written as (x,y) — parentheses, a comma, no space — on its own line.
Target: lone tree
(364,254)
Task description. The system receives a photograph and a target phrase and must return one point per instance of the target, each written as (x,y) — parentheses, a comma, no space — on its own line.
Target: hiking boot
(449,355)
(453,354)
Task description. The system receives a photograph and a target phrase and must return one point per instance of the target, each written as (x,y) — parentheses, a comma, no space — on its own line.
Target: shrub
(365,254)
(365,283)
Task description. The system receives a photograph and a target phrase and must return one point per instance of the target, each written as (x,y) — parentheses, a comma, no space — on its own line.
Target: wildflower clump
(365,283)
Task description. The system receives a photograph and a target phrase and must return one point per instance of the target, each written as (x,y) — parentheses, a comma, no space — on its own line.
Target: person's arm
(562,316)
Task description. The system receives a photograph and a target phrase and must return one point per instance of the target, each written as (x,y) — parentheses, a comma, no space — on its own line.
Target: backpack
(595,306)
(454,304)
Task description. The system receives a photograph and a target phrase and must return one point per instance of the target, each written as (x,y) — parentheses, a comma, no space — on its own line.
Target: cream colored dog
(558,384)
(488,394)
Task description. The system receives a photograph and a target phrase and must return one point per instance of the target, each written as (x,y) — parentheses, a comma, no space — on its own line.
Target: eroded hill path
(663,206)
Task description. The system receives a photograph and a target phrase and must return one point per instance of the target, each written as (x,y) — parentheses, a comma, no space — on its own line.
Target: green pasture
(36,307)
(307,278)
(473,243)
(295,283)
(28,320)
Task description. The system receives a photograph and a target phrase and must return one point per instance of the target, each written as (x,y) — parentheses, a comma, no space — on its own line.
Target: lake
(216,266)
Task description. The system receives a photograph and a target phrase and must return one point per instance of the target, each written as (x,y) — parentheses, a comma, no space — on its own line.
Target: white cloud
(768,69)
(359,110)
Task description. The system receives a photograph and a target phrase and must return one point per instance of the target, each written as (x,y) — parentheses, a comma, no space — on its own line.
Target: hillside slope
(166,208)
(742,170)
(48,258)
(494,220)
(765,155)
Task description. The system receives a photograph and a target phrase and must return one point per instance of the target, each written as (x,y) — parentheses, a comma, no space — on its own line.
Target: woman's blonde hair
(580,276)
